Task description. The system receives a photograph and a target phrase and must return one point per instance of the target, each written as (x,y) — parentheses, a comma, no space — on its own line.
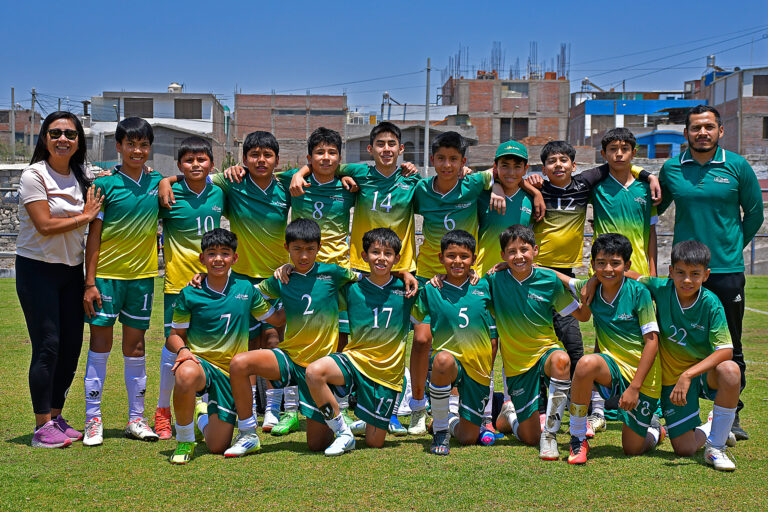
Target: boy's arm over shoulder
(355,171)
(593,176)
(420,308)
(646,314)
(654,284)
(270,288)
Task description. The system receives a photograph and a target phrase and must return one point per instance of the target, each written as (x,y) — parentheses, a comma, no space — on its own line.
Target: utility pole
(59,109)
(13,126)
(32,124)
(426,124)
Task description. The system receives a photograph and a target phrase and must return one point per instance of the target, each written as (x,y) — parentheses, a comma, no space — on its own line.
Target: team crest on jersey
(399,293)
(152,192)
(625,316)
(539,298)
(640,200)
(403,186)
(479,293)
(279,204)
(463,205)
(216,208)
(324,278)
(242,296)
(525,209)
(698,327)
(720,179)
(337,199)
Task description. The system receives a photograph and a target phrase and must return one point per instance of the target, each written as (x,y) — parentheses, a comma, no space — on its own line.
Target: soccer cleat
(548,446)
(418,424)
(163,423)
(289,422)
(718,458)
(656,424)
(70,432)
(740,433)
(595,423)
(342,444)
(50,436)
(245,443)
(486,437)
(183,453)
(94,432)
(396,428)
(508,412)
(270,420)
(578,451)
(441,443)
(488,425)
(347,417)
(138,429)
(200,408)
(358,427)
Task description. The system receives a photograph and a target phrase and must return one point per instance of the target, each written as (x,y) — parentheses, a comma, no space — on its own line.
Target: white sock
(404,401)
(291,394)
(167,360)
(248,424)
(439,396)
(558,397)
(453,422)
(204,397)
(706,428)
(135,385)
(254,390)
(722,420)
(507,398)
(202,423)
(95,374)
(417,405)
(274,398)
(579,421)
(185,433)
(488,412)
(339,426)
(343,402)
(453,405)
(598,404)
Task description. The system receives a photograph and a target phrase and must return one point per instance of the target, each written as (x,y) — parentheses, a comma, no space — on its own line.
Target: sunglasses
(55,133)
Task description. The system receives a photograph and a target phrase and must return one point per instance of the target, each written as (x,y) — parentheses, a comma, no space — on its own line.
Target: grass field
(124,474)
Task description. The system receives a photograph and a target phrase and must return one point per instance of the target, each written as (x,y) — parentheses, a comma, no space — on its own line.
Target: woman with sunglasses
(58,203)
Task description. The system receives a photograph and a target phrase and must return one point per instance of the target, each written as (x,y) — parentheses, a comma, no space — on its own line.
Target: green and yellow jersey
(128,248)
(709,201)
(258,218)
(688,335)
(382,202)
(627,210)
(379,322)
(461,324)
(492,224)
(217,322)
(523,312)
(311,310)
(620,326)
(328,204)
(183,228)
(456,209)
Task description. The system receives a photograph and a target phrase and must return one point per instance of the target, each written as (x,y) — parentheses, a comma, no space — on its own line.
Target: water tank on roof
(175,87)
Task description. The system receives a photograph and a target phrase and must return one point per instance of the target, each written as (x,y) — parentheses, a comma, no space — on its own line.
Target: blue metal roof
(634,107)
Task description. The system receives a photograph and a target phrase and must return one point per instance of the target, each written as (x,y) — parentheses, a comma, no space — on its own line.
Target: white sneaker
(548,447)
(138,429)
(718,458)
(342,444)
(358,427)
(245,443)
(94,432)
(418,424)
(270,420)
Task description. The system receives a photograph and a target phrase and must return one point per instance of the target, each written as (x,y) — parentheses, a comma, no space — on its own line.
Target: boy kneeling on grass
(210,326)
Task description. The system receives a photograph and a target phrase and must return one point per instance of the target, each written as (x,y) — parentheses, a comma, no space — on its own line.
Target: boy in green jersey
(454,323)
(523,299)
(310,299)
(197,210)
(627,366)
(510,166)
(210,325)
(372,365)
(121,263)
(256,203)
(695,350)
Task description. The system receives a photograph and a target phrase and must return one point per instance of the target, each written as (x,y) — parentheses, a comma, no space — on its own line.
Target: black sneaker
(740,433)
(441,443)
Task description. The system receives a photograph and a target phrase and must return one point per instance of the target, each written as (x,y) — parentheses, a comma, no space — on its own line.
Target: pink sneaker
(50,436)
(70,432)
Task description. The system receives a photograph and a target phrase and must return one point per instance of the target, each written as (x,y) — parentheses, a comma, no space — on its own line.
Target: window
(765,127)
(188,108)
(5,117)
(760,85)
(138,107)
(520,128)
(505,129)
(514,90)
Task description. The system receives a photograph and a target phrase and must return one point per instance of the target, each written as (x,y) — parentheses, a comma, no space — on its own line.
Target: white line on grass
(756,310)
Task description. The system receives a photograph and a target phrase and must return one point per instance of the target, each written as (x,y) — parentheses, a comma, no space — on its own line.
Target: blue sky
(78,49)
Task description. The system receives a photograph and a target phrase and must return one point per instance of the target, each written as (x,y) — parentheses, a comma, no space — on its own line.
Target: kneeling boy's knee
(442,361)
(728,374)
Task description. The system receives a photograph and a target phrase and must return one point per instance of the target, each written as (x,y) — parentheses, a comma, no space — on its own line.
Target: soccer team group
(323,312)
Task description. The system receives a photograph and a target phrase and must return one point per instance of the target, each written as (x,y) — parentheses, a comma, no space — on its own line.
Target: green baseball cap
(511,148)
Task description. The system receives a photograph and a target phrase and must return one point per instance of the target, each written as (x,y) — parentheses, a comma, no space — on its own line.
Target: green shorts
(681,419)
(524,388)
(292,374)
(129,300)
(169,302)
(219,389)
(375,402)
(473,396)
(639,418)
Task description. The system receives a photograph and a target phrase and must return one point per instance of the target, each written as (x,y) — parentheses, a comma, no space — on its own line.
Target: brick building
(501,110)
(741,97)
(291,118)
(22,128)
